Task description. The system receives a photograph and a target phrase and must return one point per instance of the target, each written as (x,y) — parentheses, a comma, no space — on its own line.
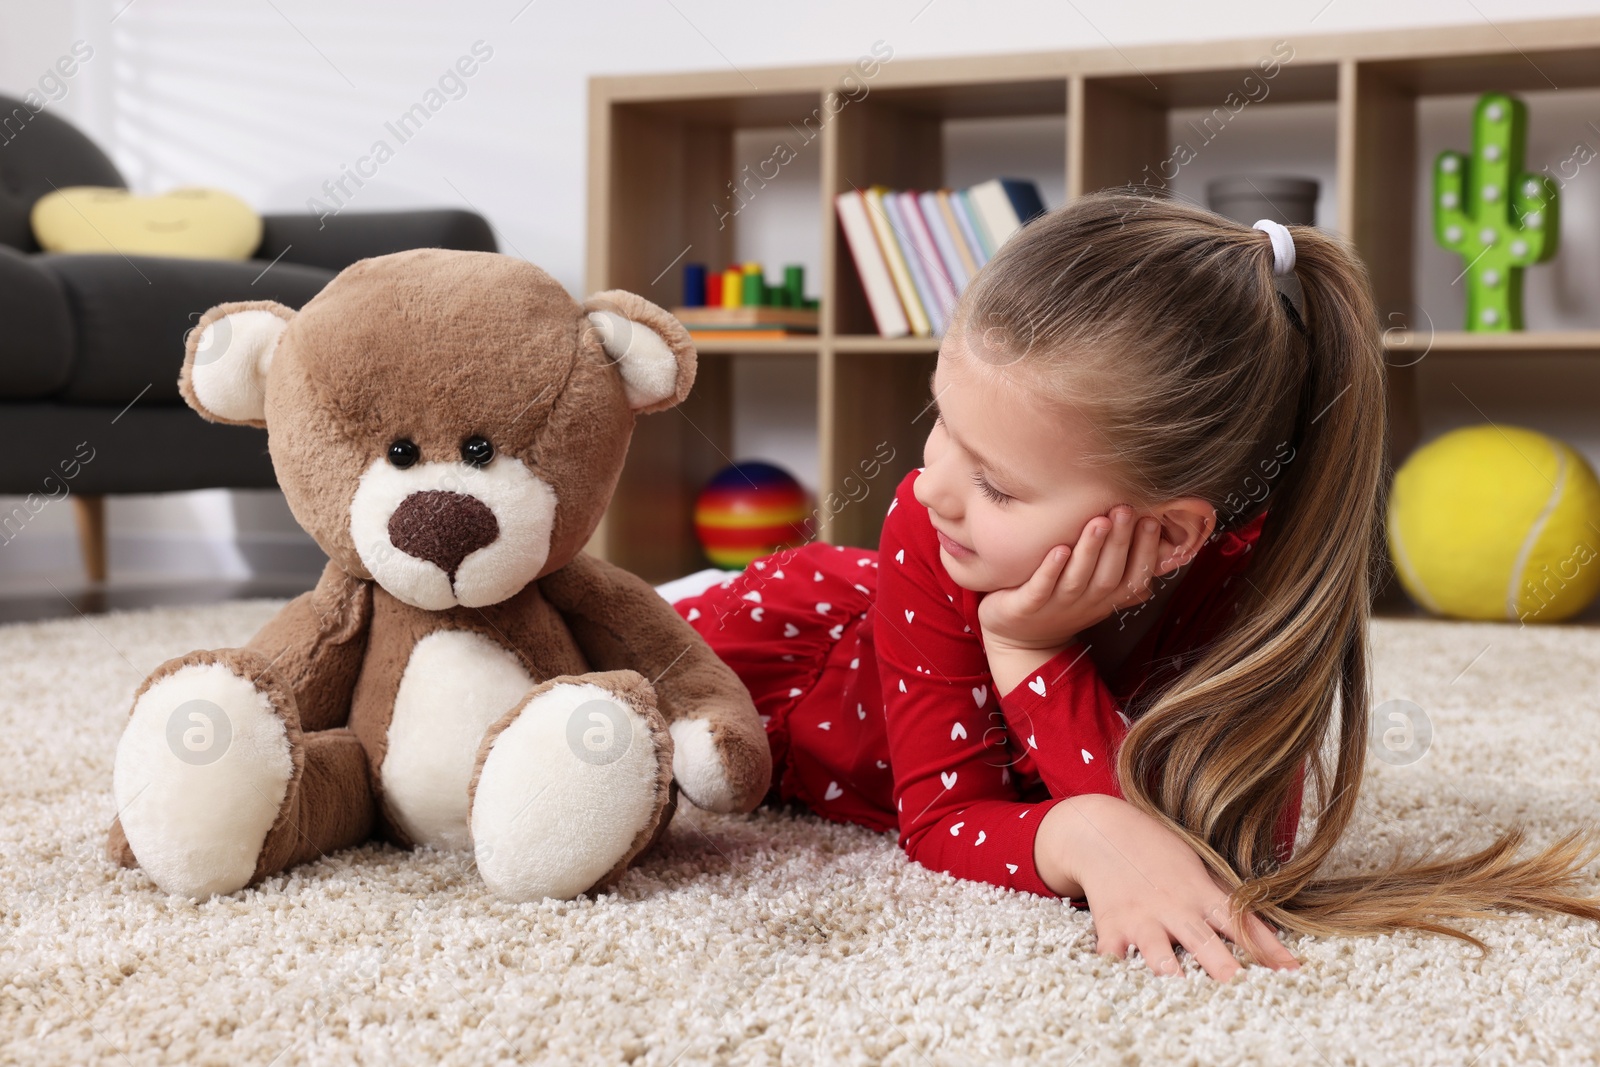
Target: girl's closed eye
(988,489)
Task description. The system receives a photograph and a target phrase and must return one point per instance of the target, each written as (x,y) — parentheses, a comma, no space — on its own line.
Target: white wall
(271,100)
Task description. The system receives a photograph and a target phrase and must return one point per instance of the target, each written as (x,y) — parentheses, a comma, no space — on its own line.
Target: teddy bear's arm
(316,645)
(721,759)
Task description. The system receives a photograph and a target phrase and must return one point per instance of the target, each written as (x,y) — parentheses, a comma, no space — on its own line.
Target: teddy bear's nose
(443,528)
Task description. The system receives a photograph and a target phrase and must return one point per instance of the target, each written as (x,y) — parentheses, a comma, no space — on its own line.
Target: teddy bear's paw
(202,771)
(572,785)
(700,769)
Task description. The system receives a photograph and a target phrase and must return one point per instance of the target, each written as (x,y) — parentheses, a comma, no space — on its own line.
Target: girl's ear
(1186,523)
(226,357)
(651,349)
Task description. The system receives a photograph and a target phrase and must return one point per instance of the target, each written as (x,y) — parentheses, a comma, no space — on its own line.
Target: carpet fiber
(772,938)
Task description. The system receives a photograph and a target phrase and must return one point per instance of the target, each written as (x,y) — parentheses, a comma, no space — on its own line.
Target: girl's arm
(1145,885)
(960,808)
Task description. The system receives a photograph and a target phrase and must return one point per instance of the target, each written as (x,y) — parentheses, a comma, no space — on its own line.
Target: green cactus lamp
(1497,216)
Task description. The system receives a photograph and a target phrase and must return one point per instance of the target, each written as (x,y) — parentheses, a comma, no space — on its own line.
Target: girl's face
(1002,479)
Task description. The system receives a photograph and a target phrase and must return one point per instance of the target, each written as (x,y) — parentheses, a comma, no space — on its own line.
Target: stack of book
(915,251)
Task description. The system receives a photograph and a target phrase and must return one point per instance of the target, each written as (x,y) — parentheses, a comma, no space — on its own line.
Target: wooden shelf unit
(662,184)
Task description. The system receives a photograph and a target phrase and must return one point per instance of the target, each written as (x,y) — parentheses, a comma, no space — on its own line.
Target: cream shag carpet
(773,938)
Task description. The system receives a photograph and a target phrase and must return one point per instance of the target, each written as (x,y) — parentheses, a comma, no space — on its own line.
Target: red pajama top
(974,771)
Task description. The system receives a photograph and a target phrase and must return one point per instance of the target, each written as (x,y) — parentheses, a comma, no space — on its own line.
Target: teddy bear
(449,427)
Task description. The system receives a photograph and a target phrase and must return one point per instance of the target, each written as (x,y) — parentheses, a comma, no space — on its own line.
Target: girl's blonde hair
(1159,324)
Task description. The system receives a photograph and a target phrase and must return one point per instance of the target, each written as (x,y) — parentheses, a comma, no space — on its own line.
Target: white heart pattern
(958,732)
(796,691)
(791,630)
(855,663)
(760,566)
(816,576)
(948,778)
(756,613)
(955,831)
(1012,867)
(834,792)
(753,595)
(980,695)
(882,764)
(824,725)
(900,556)
(1037,685)
(1087,758)
(981,835)
(777,573)
(910,615)
(694,613)
(861,712)
(837,632)
(902,685)
(1031,742)
(822,607)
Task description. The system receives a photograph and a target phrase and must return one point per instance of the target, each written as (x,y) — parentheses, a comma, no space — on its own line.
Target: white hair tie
(1282,245)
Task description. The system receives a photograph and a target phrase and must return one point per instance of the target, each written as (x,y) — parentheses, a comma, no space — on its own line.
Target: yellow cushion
(197,223)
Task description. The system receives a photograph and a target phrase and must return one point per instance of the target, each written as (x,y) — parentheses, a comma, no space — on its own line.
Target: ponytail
(1299,638)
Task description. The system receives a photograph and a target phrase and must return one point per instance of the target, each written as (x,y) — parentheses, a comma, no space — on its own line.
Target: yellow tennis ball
(1497,522)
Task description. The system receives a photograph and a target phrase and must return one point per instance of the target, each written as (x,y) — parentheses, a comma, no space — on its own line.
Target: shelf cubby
(675,190)
(897,136)
(1122,125)
(872,433)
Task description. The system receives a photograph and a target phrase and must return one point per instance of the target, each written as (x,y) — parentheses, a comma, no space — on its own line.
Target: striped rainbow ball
(750,510)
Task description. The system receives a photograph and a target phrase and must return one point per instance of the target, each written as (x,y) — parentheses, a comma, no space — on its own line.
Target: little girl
(1096,653)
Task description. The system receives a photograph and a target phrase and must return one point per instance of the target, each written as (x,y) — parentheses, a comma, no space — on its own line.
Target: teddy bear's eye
(477,451)
(403,453)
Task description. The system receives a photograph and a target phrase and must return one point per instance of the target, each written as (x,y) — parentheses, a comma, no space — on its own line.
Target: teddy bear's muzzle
(442,527)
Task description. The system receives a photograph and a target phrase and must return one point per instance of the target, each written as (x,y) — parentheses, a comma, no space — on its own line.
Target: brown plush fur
(437,346)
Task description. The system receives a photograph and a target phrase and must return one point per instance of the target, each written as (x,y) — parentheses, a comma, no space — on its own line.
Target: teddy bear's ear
(650,347)
(226,359)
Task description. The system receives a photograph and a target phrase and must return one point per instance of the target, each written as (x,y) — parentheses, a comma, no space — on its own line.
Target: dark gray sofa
(91,345)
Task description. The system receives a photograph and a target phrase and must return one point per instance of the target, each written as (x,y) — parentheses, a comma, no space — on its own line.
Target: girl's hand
(1145,886)
(1072,589)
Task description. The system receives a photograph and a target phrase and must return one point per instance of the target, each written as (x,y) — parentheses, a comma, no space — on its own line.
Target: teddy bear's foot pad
(201,773)
(570,786)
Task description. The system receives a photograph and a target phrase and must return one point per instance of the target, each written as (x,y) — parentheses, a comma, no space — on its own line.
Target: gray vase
(1248,198)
